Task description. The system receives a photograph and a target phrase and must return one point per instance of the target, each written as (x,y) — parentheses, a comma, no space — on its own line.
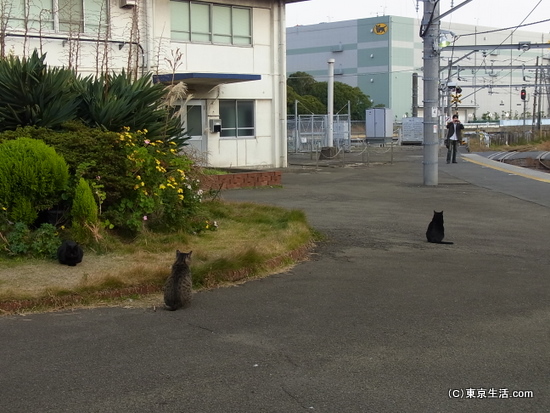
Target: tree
(301,82)
(306,104)
(303,87)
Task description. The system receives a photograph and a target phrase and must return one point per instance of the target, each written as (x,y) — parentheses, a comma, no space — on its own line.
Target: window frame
(55,21)
(235,122)
(188,35)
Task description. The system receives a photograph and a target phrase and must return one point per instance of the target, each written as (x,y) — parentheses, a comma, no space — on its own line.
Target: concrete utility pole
(430,34)
(330,103)
(415,95)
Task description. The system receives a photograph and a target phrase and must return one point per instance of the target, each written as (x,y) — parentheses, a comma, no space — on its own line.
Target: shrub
(42,243)
(84,212)
(116,101)
(33,94)
(45,242)
(164,197)
(91,153)
(84,209)
(18,239)
(32,178)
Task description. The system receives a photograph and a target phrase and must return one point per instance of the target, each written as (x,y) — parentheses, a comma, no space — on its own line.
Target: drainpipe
(282,87)
(330,103)
(63,39)
(150,33)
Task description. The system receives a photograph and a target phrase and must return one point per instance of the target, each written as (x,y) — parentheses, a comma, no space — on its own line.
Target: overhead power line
(505,29)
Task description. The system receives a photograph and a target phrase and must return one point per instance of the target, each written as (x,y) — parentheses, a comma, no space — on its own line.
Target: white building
(230,53)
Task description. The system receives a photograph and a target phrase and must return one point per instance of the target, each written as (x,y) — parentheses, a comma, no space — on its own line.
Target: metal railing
(309,133)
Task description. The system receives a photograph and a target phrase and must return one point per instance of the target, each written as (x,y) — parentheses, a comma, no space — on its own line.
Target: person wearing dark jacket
(454,137)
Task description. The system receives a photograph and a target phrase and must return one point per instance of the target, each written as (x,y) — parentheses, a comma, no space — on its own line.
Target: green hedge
(32,178)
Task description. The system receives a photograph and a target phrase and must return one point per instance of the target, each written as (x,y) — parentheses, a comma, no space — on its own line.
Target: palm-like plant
(116,101)
(33,94)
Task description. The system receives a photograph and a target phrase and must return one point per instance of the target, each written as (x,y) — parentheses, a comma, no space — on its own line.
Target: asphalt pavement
(378,320)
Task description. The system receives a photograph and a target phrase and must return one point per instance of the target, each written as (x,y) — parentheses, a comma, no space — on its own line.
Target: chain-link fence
(309,133)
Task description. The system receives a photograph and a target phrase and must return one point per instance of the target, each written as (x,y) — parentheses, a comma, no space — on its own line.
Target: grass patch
(252,240)
(209,171)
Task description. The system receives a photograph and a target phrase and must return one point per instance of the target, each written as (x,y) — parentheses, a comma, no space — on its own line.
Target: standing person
(454,136)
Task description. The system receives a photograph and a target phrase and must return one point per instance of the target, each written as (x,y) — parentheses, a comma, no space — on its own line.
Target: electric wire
(483,63)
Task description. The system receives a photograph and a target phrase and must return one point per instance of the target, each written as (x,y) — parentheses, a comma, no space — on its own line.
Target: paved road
(377,321)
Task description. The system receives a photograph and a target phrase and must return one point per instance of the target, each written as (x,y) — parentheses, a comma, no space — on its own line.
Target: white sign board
(413,130)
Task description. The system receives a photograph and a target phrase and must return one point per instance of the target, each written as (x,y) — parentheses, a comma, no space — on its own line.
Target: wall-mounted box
(215,125)
(127,4)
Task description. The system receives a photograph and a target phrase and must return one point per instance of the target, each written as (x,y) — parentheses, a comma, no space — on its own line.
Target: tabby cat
(178,288)
(436,231)
(69,253)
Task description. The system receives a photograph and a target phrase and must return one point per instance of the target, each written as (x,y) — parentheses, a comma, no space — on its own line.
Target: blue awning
(207,79)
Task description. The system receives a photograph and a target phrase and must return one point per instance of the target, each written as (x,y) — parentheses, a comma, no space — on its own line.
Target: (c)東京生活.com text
(489,393)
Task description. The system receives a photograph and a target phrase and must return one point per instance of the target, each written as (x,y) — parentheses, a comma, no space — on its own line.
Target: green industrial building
(381,54)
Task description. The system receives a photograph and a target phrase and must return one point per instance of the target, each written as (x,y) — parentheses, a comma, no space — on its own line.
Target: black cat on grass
(436,231)
(69,253)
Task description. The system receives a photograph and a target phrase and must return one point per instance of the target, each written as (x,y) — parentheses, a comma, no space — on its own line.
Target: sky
(491,13)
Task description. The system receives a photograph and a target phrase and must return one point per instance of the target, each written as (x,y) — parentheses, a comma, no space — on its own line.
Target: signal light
(523,94)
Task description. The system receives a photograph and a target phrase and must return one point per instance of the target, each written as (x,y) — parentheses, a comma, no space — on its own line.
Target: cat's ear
(177,253)
(189,253)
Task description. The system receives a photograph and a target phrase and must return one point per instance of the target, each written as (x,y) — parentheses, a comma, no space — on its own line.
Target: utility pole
(430,34)
(415,95)
(330,103)
(535,101)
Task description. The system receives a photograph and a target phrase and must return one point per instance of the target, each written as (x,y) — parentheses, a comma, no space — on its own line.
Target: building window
(237,118)
(193,21)
(80,16)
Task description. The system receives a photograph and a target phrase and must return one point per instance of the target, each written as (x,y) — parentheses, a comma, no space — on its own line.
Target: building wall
(382,62)
(140,40)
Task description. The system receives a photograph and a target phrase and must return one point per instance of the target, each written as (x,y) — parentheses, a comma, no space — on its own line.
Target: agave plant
(33,94)
(114,101)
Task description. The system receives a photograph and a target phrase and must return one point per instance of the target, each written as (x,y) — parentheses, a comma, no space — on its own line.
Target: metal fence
(309,133)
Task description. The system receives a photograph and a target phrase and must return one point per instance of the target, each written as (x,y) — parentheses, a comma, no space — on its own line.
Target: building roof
(205,79)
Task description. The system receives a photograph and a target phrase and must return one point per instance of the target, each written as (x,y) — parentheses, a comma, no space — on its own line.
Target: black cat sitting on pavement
(436,231)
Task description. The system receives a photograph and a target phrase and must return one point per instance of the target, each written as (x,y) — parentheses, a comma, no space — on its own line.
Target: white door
(195,126)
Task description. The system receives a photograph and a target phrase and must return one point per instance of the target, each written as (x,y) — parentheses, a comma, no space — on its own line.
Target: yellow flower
(180,197)
(138,178)
(180,191)
(172,143)
(161,186)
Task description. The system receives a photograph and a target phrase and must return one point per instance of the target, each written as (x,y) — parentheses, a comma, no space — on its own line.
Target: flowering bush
(164,196)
